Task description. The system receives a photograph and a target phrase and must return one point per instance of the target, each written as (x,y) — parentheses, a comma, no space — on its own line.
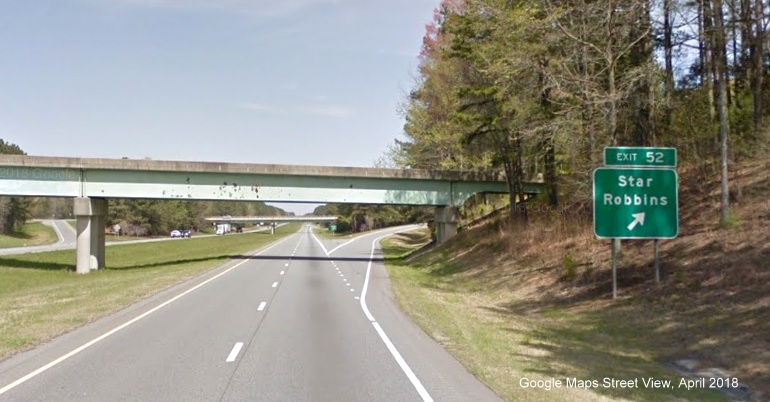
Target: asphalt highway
(304,319)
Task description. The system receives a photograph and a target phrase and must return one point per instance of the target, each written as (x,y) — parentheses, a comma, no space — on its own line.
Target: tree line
(537,89)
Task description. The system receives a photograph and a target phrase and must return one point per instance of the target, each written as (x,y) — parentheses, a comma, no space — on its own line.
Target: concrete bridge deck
(92,180)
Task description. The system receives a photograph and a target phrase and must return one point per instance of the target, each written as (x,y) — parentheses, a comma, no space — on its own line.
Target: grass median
(41,296)
(504,346)
(30,234)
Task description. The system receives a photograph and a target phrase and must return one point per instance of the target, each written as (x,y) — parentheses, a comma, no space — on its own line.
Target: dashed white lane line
(348,284)
(234,353)
(275,284)
(286,265)
(128,323)
(283,272)
(261,306)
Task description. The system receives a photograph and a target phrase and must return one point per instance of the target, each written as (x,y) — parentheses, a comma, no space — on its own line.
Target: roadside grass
(324,233)
(41,297)
(503,337)
(30,234)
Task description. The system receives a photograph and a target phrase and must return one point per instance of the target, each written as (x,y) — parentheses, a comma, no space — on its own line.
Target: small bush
(570,267)
(732,221)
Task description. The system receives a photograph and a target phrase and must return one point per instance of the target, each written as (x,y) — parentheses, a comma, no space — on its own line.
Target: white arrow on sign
(638,219)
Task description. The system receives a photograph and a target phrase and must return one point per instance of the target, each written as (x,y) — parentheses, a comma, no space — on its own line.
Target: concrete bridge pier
(446,223)
(91,215)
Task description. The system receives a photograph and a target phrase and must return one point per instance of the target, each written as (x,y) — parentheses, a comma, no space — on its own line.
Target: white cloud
(329,111)
(334,111)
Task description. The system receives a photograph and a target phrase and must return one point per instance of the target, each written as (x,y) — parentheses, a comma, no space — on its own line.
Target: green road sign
(333,228)
(636,203)
(640,156)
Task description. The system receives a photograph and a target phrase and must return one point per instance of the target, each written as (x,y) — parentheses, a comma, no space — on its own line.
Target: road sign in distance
(640,156)
(636,203)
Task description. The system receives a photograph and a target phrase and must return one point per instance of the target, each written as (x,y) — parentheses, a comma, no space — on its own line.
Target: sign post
(636,196)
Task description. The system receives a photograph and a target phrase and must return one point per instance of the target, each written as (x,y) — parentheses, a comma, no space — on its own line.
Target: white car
(176,233)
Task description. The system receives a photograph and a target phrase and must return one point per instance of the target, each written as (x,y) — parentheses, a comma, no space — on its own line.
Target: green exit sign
(636,203)
(640,156)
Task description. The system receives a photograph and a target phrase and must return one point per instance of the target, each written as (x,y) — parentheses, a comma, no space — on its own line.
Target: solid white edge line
(370,234)
(261,306)
(234,353)
(342,245)
(320,244)
(59,234)
(392,348)
(402,363)
(126,324)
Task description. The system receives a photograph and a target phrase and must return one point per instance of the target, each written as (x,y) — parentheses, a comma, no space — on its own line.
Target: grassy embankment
(537,303)
(325,233)
(42,297)
(31,234)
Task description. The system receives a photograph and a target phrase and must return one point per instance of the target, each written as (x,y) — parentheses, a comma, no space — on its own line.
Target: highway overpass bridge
(270,219)
(93,180)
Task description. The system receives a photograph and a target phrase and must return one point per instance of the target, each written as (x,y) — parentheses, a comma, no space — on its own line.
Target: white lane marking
(286,265)
(234,353)
(275,284)
(357,298)
(283,272)
(347,284)
(344,280)
(369,234)
(366,281)
(392,348)
(352,290)
(320,244)
(58,232)
(261,306)
(341,245)
(402,363)
(126,324)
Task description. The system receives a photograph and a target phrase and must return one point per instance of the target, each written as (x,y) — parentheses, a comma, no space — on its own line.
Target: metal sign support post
(615,268)
(656,245)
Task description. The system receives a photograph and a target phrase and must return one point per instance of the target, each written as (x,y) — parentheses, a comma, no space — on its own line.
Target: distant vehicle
(223,228)
(186,233)
(176,233)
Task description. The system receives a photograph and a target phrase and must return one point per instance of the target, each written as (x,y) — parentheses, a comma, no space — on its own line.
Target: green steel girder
(126,178)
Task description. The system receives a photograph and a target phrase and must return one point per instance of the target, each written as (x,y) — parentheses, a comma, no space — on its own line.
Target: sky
(309,82)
